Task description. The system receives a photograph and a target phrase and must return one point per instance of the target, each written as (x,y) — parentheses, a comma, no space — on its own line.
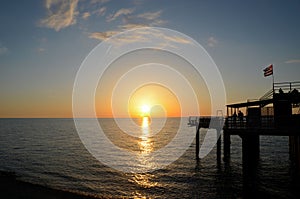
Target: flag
(268,71)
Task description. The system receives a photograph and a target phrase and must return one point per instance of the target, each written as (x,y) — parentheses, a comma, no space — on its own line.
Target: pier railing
(263,122)
(216,122)
(286,86)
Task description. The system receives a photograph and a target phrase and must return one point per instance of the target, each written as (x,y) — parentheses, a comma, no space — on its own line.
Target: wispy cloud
(150,15)
(141,35)
(129,26)
(147,18)
(212,42)
(3,49)
(61,14)
(86,15)
(101,11)
(176,39)
(292,61)
(121,12)
(135,21)
(102,35)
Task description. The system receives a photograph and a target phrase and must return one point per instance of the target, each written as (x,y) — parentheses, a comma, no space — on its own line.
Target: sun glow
(153,101)
(145,110)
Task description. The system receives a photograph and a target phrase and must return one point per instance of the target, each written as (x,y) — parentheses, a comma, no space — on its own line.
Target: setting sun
(145,110)
(153,100)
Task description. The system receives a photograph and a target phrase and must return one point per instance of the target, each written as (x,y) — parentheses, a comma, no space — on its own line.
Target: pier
(277,113)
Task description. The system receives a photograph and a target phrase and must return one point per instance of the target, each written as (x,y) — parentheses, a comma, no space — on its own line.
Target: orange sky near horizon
(162,100)
(162,84)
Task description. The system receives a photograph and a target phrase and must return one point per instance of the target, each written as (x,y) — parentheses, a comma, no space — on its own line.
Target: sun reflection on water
(144,180)
(145,124)
(145,144)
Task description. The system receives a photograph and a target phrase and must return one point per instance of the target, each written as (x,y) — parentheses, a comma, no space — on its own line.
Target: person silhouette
(280,91)
(241,117)
(234,116)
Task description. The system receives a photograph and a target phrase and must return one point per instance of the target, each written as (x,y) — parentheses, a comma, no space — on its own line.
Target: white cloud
(86,15)
(61,14)
(292,61)
(212,42)
(123,11)
(3,49)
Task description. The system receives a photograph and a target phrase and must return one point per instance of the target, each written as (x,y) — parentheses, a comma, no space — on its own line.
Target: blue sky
(42,44)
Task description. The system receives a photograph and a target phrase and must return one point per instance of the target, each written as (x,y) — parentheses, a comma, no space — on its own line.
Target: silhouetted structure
(277,113)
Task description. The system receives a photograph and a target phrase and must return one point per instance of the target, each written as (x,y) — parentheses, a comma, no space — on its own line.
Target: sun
(145,110)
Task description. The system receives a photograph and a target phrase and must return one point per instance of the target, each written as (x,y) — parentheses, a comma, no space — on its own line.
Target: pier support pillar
(226,138)
(294,148)
(219,146)
(198,140)
(250,153)
(250,145)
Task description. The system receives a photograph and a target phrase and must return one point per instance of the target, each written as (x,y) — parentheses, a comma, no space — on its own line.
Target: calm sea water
(49,152)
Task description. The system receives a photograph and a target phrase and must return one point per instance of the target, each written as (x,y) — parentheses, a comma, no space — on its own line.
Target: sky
(43,43)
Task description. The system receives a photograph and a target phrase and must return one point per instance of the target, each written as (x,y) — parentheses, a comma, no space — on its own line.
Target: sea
(49,152)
